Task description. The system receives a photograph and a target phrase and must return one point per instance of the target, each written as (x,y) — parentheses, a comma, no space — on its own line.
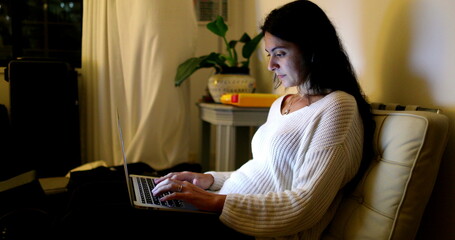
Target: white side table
(233,126)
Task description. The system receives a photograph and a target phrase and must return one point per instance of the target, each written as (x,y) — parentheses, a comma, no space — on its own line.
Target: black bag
(23,209)
(24,212)
(10,165)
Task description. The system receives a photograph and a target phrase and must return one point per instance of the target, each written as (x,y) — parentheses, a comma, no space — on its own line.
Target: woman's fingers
(203,181)
(168,185)
(169,175)
(190,193)
(182,176)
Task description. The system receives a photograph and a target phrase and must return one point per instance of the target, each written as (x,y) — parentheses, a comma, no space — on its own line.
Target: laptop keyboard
(145,190)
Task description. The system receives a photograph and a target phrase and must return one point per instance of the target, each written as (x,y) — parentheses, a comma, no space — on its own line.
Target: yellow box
(249,99)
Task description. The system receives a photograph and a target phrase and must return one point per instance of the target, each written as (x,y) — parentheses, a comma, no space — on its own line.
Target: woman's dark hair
(325,62)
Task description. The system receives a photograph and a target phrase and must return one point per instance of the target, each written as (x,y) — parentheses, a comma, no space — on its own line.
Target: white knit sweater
(291,187)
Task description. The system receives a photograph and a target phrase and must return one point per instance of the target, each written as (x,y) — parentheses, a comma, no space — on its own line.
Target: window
(41,28)
(208,10)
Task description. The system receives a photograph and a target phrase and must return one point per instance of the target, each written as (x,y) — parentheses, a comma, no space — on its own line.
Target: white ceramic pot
(220,84)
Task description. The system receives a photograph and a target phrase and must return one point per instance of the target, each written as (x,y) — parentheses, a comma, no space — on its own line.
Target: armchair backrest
(390,200)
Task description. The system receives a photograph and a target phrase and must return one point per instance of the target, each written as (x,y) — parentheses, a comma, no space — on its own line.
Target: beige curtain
(130,52)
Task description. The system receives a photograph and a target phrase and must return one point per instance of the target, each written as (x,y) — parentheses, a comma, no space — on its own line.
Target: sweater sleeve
(289,212)
(219,179)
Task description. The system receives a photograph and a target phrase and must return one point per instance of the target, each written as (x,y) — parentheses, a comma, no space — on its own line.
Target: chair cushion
(390,200)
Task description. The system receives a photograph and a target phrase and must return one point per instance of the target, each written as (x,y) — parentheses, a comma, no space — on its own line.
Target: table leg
(225,148)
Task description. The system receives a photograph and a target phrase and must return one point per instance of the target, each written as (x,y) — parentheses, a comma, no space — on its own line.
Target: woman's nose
(272,66)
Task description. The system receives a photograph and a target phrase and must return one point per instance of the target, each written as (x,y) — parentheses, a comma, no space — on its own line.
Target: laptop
(140,188)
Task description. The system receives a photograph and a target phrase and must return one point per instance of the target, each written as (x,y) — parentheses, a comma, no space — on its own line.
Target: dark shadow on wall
(400,82)
(403,83)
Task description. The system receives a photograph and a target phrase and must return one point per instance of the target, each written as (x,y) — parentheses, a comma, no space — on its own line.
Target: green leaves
(218,27)
(251,45)
(187,68)
(219,61)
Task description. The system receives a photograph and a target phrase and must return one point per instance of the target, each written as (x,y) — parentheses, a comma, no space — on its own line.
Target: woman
(314,145)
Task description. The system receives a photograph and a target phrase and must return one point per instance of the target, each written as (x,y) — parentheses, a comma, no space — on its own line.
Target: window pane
(31,10)
(64,37)
(67,11)
(6,37)
(33,36)
(41,28)
(208,10)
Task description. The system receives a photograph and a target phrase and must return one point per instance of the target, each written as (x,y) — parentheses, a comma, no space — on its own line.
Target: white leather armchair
(390,200)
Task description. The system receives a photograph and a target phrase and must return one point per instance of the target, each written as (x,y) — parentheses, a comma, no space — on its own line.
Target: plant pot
(220,84)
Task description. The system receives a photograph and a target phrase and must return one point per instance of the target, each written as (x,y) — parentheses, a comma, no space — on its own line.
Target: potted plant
(231,75)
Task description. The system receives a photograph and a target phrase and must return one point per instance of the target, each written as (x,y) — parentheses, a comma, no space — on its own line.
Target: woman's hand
(189,192)
(201,180)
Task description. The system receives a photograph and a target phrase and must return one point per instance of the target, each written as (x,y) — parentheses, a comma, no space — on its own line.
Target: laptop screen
(122,144)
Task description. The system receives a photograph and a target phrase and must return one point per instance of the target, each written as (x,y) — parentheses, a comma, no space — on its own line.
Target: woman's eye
(279,54)
(276,54)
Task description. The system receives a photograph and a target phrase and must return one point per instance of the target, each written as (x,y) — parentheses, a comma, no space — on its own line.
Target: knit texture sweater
(291,187)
